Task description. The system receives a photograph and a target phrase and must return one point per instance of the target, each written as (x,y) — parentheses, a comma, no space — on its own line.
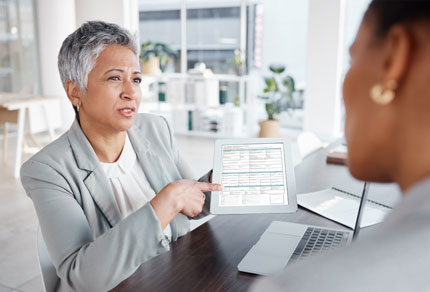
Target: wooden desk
(207,258)
(13,109)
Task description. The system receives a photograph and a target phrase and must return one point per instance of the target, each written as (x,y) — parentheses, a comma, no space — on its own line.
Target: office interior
(209,86)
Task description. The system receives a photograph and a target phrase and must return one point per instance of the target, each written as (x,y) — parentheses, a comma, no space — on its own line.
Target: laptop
(284,243)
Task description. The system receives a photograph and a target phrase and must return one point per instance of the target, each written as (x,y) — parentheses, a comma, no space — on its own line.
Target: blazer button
(164,242)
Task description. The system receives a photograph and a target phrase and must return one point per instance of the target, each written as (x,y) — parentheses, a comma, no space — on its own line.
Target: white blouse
(130,186)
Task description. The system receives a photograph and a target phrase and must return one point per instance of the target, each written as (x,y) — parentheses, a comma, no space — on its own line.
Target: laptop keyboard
(317,240)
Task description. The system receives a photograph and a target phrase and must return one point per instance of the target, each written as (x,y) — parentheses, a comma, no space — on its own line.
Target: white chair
(49,275)
(307,143)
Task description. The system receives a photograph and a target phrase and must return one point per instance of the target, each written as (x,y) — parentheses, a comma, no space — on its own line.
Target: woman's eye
(137,80)
(115,78)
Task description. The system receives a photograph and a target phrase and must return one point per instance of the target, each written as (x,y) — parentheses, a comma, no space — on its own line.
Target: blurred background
(214,69)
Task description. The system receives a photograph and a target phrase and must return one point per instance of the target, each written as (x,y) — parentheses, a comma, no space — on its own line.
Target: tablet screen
(253,175)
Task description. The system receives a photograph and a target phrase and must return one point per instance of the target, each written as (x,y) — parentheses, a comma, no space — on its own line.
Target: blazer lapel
(151,164)
(100,189)
(155,171)
(96,181)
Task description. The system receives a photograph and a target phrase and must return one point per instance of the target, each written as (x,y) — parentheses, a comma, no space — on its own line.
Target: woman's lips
(127,111)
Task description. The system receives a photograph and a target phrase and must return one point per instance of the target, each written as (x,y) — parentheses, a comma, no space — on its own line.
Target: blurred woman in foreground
(387,127)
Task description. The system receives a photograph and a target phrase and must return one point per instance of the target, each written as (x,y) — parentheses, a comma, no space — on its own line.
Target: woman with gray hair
(113,191)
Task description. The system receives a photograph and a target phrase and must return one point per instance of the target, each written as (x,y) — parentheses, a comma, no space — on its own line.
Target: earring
(381,96)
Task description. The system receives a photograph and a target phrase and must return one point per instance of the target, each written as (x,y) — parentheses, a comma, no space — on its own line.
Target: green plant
(160,50)
(237,60)
(278,92)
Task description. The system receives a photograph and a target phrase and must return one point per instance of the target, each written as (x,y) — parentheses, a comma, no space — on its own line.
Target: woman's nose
(130,90)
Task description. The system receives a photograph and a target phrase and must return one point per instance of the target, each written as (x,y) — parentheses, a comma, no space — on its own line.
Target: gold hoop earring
(381,96)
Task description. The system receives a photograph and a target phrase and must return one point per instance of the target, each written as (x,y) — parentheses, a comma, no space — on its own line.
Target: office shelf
(194,104)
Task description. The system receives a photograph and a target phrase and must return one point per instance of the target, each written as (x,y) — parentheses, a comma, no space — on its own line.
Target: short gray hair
(80,50)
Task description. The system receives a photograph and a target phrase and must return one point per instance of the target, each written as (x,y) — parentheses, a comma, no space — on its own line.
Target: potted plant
(279,97)
(238,60)
(154,57)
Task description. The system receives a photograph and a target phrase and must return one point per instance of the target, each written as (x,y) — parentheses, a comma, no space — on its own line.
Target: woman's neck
(413,158)
(408,176)
(107,146)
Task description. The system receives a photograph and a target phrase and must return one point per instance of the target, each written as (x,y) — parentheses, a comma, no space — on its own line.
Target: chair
(49,274)
(307,143)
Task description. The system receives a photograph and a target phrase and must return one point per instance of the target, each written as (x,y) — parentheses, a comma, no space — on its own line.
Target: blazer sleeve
(187,172)
(83,262)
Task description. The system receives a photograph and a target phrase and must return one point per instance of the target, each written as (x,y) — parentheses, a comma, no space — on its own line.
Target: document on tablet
(254,175)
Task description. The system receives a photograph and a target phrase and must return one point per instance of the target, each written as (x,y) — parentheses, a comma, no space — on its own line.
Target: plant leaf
(271,84)
(277,69)
(149,50)
(288,82)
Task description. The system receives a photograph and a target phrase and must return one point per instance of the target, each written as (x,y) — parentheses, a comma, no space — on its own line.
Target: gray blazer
(90,246)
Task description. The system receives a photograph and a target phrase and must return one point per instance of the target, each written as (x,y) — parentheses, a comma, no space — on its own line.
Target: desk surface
(207,258)
(14,101)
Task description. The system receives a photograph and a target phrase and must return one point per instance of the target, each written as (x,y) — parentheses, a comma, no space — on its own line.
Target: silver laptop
(284,243)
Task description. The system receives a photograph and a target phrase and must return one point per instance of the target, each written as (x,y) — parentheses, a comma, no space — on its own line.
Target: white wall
(284,36)
(324,67)
(55,20)
(125,13)
(284,42)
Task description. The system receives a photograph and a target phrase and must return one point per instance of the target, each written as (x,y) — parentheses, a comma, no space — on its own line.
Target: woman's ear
(398,51)
(73,93)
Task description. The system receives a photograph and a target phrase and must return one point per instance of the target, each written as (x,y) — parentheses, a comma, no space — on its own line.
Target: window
(18,65)
(212,33)
(236,37)
(161,23)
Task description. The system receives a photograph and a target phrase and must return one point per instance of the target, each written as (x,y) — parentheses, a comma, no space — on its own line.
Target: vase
(270,128)
(150,67)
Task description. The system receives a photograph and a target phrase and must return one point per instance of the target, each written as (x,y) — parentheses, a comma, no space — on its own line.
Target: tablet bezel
(291,182)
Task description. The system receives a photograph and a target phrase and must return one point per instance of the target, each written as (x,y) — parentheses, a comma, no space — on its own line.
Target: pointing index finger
(207,187)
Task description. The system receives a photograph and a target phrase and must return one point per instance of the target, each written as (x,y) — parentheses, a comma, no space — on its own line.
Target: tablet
(257,175)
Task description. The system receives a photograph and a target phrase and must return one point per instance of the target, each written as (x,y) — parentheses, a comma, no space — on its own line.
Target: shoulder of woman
(153,128)
(54,152)
(47,164)
(148,122)
(144,119)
